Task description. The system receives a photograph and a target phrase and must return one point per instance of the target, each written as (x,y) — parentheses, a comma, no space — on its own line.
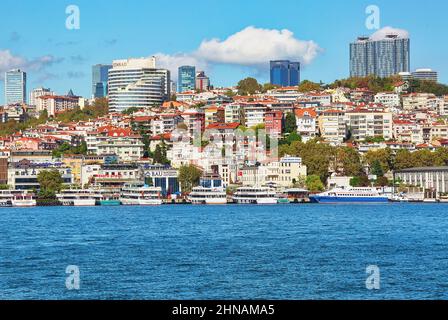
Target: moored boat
(140,195)
(350,195)
(210,191)
(77,197)
(255,195)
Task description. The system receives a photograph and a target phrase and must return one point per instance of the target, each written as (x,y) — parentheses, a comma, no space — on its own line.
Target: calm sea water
(226,252)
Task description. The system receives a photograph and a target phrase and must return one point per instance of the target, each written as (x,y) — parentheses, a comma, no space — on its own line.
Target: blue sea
(225,252)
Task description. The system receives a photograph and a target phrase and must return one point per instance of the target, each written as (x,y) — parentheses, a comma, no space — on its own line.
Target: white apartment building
(418,101)
(283,173)
(285,95)
(57,104)
(254,114)
(129,149)
(306,120)
(233,113)
(165,123)
(39,92)
(408,131)
(365,123)
(388,99)
(332,126)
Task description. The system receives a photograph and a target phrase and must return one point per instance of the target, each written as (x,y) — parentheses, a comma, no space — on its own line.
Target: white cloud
(254,46)
(250,47)
(382,33)
(9,61)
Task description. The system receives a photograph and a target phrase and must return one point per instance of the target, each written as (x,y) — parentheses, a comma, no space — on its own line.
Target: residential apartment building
(332,126)
(282,174)
(388,99)
(39,92)
(254,114)
(420,101)
(306,121)
(383,58)
(233,113)
(57,104)
(369,123)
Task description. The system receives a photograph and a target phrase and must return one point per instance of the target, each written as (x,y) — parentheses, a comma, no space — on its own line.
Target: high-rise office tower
(15,87)
(137,83)
(382,58)
(100,75)
(202,81)
(285,73)
(187,79)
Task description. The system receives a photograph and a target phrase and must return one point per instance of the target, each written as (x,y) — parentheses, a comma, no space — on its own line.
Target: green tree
(376,169)
(348,162)
(384,156)
(314,184)
(248,86)
(403,160)
(189,177)
(360,181)
(50,182)
(130,111)
(4,187)
(290,123)
(307,86)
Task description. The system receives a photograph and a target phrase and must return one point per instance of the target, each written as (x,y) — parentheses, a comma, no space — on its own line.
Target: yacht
(210,191)
(350,195)
(77,197)
(255,195)
(140,195)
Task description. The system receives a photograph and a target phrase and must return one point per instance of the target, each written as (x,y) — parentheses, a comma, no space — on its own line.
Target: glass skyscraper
(100,75)
(382,58)
(285,73)
(187,79)
(15,87)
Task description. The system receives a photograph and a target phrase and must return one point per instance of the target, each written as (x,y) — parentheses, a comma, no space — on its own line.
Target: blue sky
(35,38)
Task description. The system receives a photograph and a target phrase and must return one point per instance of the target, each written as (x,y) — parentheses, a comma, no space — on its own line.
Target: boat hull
(141,202)
(110,203)
(326,199)
(24,203)
(84,202)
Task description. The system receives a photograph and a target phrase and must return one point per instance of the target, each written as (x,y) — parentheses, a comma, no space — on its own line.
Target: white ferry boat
(255,195)
(210,191)
(350,195)
(77,197)
(140,195)
(107,197)
(17,198)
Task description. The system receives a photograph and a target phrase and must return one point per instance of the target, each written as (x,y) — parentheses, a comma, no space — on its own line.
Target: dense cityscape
(144,138)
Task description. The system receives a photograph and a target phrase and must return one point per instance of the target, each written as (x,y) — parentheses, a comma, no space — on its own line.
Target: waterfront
(225,252)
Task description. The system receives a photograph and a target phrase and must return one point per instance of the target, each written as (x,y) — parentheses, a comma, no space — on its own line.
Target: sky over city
(229,40)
